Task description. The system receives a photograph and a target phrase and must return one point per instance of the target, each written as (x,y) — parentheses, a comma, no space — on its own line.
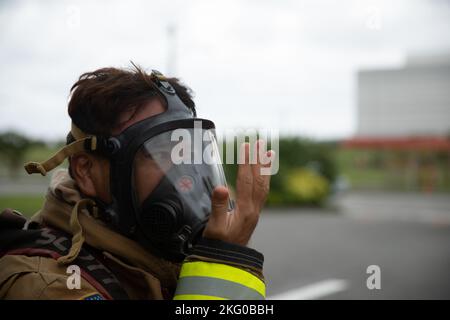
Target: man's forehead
(130,117)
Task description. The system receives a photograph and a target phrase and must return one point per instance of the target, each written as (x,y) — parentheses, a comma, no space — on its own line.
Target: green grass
(26,204)
(368,178)
(372,178)
(390,170)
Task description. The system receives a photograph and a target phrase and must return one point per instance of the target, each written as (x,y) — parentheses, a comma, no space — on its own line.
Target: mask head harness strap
(83,142)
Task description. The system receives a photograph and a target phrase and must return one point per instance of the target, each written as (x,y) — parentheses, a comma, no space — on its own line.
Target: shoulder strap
(51,243)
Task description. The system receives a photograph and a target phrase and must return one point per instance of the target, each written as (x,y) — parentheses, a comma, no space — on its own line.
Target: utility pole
(171,49)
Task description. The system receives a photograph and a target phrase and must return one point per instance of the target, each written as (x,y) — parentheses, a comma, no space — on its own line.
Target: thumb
(219,208)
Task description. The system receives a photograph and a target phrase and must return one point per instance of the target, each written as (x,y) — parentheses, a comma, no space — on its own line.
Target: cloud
(287,64)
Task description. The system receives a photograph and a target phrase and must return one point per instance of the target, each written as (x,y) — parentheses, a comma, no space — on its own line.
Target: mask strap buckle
(162,82)
(87,143)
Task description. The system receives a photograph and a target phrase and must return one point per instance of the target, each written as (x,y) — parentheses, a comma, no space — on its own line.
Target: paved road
(325,254)
(31,185)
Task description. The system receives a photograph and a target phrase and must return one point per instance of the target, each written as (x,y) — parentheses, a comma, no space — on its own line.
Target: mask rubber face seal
(172,194)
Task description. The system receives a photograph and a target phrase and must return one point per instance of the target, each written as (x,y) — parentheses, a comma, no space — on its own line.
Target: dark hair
(98,98)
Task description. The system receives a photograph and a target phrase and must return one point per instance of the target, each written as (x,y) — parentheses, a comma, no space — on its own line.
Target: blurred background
(359,91)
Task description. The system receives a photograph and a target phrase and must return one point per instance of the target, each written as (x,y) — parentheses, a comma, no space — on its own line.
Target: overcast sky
(288,65)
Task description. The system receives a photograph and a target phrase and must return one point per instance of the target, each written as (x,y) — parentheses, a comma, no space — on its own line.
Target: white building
(410,101)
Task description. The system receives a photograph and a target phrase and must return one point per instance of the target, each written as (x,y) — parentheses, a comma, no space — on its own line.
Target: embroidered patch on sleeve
(92,296)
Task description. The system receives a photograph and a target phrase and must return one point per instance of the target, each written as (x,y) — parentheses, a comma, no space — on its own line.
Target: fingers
(244,180)
(257,156)
(261,180)
(265,175)
(217,223)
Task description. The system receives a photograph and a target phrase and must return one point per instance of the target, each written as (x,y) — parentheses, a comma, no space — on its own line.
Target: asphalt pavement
(325,254)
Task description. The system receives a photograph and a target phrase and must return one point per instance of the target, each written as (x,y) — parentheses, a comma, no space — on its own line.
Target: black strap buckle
(107,146)
(162,82)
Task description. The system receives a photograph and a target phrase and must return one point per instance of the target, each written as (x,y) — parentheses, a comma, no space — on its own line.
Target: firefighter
(127,218)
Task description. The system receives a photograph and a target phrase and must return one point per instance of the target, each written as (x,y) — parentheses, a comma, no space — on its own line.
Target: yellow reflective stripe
(224,272)
(196,297)
(216,287)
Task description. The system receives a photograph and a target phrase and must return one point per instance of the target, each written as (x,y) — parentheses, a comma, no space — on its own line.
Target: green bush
(306,171)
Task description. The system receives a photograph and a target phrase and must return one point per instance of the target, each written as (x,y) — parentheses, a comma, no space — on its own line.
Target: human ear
(81,166)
